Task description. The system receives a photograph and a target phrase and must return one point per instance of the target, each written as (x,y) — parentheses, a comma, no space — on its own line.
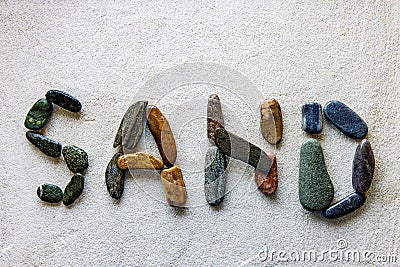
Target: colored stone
(345,119)
(73,189)
(215,118)
(214,172)
(271,123)
(162,133)
(39,114)
(115,177)
(47,146)
(131,127)
(64,100)
(267,183)
(312,117)
(315,186)
(50,193)
(139,160)
(76,158)
(238,148)
(345,206)
(174,186)
(363,167)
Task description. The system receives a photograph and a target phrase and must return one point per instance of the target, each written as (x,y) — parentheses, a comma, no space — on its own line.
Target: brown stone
(174,186)
(162,133)
(215,119)
(271,121)
(268,183)
(139,160)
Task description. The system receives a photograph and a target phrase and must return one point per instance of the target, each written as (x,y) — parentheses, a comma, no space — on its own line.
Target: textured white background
(103,52)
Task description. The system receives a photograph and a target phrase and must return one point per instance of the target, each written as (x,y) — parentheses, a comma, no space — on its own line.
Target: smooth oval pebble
(47,146)
(345,206)
(315,185)
(311,117)
(238,148)
(64,100)
(115,177)
(38,115)
(363,167)
(162,133)
(174,186)
(139,160)
(75,158)
(271,123)
(50,193)
(214,173)
(73,189)
(345,119)
(131,127)
(215,118)
(267,183)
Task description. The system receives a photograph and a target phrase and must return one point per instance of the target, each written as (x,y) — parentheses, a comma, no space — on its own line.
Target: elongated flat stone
(345,119)
(267,183)
(39,114)
(162,133)
(50,193)
(345,206)
(47,146)
(73,189)
(215,178)
(115,177)
(312,117)
(315,186)
(75,158)
(64,100)
(238,148)
(139,160)
(363,167)
(131,127)
(174,186)
(271,123)
(215,118)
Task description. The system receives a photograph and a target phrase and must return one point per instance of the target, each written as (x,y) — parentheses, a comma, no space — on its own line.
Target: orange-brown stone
(139,160)
(162,133)
(271,121)
(268,182)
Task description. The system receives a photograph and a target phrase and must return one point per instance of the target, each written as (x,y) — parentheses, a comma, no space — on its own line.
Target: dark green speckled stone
(64,100)
(76,158)
(47,146)
(39,114)
(50,193)
(214,172)
(73,189)
(315,186)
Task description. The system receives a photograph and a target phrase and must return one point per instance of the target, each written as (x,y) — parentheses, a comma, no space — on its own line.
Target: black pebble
(345,119)
(363,167)
(47,146)
(345,206)
(312,117)
(64,100)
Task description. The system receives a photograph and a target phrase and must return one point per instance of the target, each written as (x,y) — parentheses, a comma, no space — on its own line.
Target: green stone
(76,158)
(50,193)
(47,146)
(215,177)
(39,114)
(73,189)
(315,186)
(115,177)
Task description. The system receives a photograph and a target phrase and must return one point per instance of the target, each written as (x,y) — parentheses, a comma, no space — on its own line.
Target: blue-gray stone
(311,117)
(345,119)
(345,206)
(214,172)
